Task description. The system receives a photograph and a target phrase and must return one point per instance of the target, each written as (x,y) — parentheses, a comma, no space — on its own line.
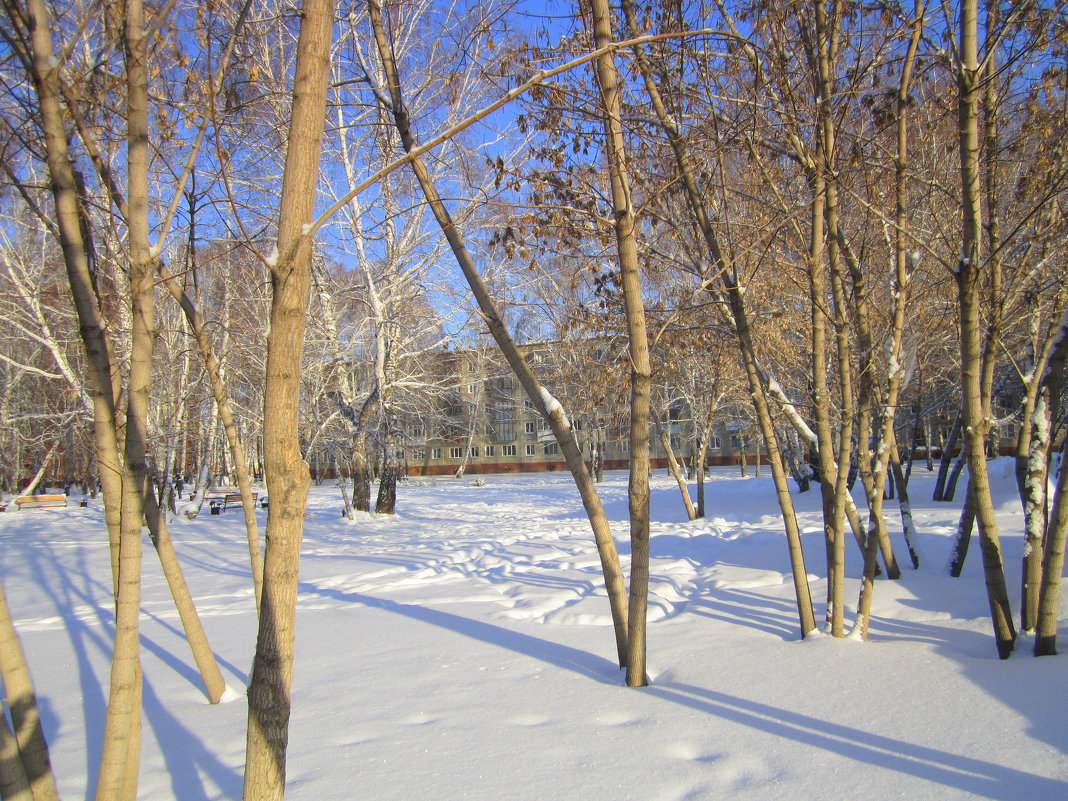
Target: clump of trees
(236,236)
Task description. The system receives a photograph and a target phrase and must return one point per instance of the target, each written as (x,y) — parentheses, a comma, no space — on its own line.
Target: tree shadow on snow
(563,656)
(188,752)
(757,611)
(975,776)
(83,639)
(1032,687)
(186,756)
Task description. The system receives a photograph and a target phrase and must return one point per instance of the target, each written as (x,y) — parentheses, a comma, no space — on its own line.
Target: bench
(227,500)
(233,500)
(40,501)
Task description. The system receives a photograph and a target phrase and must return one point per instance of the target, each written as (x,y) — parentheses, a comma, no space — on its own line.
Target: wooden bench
(233,500)
(227,500)
(40,501)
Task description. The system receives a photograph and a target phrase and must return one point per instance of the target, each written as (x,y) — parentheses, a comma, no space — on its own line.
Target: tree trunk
(361,476)
(1057,530)
(24,757)
(699,462)
(954,475)
(908,526)
(1053,570)
(31,485)
(969,280)
(699,209)
(1034,490)
(214,684)
(640,369)
(14,786)
(673,466)
(873,464)
(222,403)
(269,700)
(963,538)
(948,447)
(543,402)
(1032,460)
(927,437)
(386,503)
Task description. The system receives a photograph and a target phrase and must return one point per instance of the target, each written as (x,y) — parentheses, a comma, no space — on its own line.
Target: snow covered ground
(463,650)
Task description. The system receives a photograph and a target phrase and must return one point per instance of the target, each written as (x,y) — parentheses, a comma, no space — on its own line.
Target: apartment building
(487,424)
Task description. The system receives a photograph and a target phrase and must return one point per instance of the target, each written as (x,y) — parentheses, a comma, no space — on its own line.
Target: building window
(551,448)
(530,450)
(419,455)
(528,404)
(473,453)
(736,443)
(435,453)
(530,427)
(624,446)
(676,442)
(715,443)
(508,450)
(505,431)
(456,453)
(489,451)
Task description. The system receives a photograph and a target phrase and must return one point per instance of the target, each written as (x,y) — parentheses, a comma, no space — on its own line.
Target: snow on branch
(552,405)
(790,411)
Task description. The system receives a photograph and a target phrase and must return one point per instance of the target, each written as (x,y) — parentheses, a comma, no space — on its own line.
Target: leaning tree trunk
(233,439)
(543,402)
(673,466)
(950,490)
(948,448)
(214,684)
(103,379)
(31,485)
(269,700)
(908,526)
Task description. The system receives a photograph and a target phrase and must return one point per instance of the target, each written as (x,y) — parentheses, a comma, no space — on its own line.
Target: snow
(791,412)
(462,649)
(552,405)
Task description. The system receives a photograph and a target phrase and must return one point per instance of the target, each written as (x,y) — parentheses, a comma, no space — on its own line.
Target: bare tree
(287,473)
